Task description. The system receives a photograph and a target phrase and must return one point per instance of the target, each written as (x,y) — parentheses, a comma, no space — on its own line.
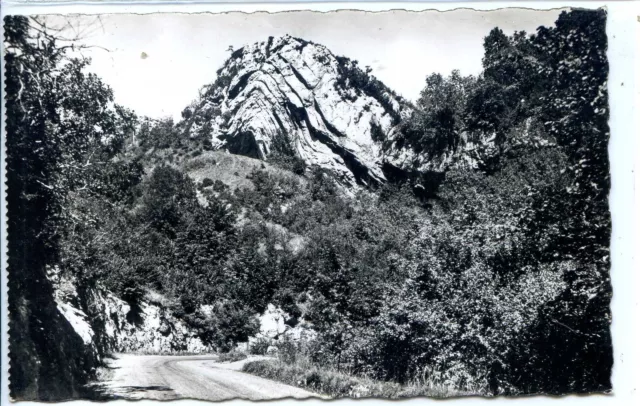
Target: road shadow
(102,392)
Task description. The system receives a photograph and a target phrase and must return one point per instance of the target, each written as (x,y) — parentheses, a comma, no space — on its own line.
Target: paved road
(196,377)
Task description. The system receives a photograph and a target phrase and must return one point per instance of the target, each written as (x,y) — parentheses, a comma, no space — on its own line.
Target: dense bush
(259,346)
(206,182)
(437,124)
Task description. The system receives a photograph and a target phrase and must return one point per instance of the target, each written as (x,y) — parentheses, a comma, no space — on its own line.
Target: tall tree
(438,122)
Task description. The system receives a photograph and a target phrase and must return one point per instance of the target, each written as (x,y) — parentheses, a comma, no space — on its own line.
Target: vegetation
(353,79)
(335,384)
(283,154)
(438,122)
(61,126)
(549,85)
(232,356)
(497,285)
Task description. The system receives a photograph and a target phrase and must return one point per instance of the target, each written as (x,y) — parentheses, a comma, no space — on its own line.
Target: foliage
(232,356)
(61,124)
(575,111)
(259,346)
(169,194)
(164,134)
(206,182)
(439,120)
(473,264)
(283,154)
(377,134)
(231,322)
(336,384)
(159,134)
(351,76)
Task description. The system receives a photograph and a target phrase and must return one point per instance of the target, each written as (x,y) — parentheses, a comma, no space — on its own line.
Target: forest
(495,281)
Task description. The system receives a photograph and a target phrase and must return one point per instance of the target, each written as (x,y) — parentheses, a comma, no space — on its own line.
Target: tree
(283,154)
(437,125)
(203,245)
(169,196)
(60,122)
(508,91)
(574,347)
(161,133)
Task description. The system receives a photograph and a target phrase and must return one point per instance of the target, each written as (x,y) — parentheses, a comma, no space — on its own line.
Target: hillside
(230,169)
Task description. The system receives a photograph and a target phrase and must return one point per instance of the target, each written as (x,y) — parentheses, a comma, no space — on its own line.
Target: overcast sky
(183,51)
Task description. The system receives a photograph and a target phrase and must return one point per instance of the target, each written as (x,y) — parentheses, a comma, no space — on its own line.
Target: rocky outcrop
(48,361)
(334,114)
(474,151)
(106,323)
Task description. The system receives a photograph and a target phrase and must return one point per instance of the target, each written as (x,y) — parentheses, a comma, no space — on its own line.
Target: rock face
(474,151)
(48,360)
(332,113)
(106,323)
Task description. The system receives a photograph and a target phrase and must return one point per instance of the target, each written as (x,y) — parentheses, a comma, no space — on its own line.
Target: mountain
(331,113)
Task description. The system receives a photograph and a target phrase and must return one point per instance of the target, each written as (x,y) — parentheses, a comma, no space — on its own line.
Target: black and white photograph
(305,204)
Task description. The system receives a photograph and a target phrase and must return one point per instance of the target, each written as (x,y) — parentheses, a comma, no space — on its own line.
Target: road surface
(166,377)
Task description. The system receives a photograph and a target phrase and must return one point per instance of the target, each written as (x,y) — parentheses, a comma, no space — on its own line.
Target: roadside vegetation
(232,356)
(334,383)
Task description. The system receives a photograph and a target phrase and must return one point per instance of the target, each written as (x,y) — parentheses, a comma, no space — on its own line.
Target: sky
(156,63)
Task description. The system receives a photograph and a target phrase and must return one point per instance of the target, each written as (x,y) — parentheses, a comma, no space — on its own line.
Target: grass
(336,384)
(168,353)
(232,170)
(232,356)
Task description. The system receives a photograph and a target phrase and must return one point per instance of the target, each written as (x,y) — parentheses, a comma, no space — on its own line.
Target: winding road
(197,377)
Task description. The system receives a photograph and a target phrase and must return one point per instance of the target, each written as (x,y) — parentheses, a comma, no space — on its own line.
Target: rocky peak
(335,114)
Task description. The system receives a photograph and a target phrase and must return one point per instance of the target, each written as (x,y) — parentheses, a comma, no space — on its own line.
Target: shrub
(232,356)
(229,324)
(259,346)
(196,163)
(206,182)
(287,350)
(219,186)
(334,383)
